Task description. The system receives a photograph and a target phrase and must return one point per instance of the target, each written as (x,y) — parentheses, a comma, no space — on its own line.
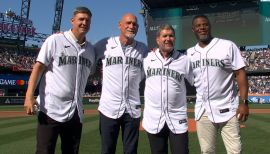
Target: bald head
(127,16)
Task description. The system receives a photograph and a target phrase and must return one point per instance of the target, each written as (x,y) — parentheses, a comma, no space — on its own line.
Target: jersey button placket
(205,83)
(164,89)
(164,96)
(163,93)
(125,82)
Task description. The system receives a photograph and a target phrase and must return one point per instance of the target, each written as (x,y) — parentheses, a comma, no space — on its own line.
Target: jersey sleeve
(189,74)
(145,53)
(237,59)
(46,52)
(144,66)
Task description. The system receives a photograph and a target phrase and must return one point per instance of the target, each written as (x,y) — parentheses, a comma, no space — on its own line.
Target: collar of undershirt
(170,55)
(124,47)
(133,44)
(75,39)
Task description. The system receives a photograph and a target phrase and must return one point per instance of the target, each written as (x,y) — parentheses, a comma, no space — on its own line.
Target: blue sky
(106,14)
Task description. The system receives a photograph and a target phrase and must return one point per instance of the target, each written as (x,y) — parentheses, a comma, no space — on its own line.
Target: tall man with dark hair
(218,68)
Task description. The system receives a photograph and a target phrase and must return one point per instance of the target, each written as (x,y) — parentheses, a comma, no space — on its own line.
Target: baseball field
(17,132)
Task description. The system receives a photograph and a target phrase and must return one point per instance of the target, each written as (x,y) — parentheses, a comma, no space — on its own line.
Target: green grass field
(17,135)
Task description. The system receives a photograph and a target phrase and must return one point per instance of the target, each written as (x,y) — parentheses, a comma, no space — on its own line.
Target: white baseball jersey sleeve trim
(165,92)
(215,83)
(63,83)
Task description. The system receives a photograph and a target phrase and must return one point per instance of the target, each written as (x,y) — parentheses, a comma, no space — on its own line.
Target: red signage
(17,29)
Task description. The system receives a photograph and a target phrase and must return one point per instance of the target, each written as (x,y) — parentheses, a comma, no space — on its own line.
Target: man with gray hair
(165,110)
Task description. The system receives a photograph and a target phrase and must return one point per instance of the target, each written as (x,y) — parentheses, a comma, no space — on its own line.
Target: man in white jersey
(165,112)
(120,105)
(217,67)
(62,69)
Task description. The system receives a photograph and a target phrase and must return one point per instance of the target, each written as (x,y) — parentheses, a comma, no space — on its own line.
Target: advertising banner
(13,81)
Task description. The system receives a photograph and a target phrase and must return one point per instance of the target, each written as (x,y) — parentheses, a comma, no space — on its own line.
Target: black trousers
(159,142)
(109,131)
(49,129)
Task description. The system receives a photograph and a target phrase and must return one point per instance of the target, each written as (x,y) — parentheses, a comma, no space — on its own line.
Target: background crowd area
(14,60)
(17,60)
(257,60)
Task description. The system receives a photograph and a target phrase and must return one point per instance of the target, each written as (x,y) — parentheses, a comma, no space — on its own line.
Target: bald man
(120,105)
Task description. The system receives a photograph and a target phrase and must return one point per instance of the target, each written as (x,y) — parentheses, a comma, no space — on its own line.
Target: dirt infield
(191,122)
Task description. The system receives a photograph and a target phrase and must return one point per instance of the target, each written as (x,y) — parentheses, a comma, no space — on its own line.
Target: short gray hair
(165,26)
(82,9)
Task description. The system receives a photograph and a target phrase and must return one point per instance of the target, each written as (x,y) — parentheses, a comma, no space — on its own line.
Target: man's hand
(242,112)
(30,105)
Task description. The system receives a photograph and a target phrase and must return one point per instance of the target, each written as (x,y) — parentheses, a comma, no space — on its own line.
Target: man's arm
(243,109)
(30,101)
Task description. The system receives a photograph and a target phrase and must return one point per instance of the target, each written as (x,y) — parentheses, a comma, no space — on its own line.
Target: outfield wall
(19,100)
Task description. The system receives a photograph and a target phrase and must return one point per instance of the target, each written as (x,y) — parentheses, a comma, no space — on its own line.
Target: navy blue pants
(49,129)
(159,142)
(109,131)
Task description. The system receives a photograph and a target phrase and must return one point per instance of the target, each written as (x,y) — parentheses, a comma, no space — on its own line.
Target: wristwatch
(245,101)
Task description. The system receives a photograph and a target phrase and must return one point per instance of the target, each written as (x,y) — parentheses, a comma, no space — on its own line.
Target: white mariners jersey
(63,84)
(165,92)
(122,74)
(215,82)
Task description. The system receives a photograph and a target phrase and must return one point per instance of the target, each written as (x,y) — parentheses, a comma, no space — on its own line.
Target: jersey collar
(75,39)
(206,48)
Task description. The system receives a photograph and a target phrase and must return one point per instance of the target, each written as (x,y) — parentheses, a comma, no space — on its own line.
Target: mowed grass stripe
(16,122)
(15,119)
(20,127)
(89,118)
(261,117)
(19,124)
(90,137)
(14,138)
(21,146)
(17,135)
(11,108)
(256,136)
(259,122)
(90,125)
